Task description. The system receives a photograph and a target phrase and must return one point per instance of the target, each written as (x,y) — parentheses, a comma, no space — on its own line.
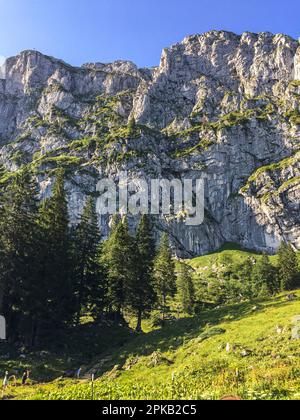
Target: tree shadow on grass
(106,345)
(176,333)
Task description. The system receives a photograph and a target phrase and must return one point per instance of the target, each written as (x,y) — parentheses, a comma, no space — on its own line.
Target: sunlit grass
(188,359)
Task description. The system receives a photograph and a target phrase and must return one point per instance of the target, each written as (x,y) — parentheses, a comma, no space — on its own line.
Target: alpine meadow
(150,224)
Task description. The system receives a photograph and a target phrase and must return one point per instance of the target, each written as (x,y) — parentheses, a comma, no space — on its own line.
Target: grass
(71,350)
(232,119)
(295,83)
(288,184)
(276,166)
(230,252)
(200,147)
(188,359)
(110,131)
(294,116)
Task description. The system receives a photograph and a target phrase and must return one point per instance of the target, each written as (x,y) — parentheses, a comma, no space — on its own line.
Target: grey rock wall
(219,105)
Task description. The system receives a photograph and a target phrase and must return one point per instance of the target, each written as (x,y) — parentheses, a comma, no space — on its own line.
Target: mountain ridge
(186,39)
(221,105)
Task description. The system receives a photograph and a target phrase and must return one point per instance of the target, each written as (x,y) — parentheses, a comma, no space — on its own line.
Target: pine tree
(116,259)
(164,274)
(242,277)
(264,278)
(288,268)
(19,240)
(56,257)
(140,294)
(185,288)
(86,270)
(3,276)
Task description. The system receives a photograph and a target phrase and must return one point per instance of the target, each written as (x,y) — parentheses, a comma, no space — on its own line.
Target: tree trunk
(79,304)
(139,322)
(35,333)
(164,307)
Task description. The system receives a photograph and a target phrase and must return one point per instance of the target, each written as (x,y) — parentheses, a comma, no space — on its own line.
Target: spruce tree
(86,271)
(288,268)
(164,275)
(20,246)
(140,295)
(56,258)
(115,258)
(264,278)
(186,290)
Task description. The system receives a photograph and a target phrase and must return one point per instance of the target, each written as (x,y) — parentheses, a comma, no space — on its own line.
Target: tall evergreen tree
(164,274)
(19,240)
(264,278)
(3,278)
(186,290)
(86,270)
(288,268)
(56,257)
(140,293)
(242,277)
(116,259)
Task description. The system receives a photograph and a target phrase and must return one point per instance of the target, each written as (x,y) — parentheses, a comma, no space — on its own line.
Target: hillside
(220,106)
(187,359)
(230,253)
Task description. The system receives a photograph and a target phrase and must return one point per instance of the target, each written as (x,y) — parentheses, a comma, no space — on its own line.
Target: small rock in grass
(130,363)
(296,333)
(279,329)
(291,297)
(246,353)
(296,328)
(115,372)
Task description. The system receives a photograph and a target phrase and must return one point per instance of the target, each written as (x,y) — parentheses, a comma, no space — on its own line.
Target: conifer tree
(140,293)
(242,277)
(186,290)
(115,259)
(288,268)
(86,270)
(56,257)
(264,278)
(164,274)
(19,240)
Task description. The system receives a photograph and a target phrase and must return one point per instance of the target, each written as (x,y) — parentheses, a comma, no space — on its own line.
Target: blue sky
(79,31)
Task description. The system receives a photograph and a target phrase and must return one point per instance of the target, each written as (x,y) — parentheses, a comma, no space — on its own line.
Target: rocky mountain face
(220,105)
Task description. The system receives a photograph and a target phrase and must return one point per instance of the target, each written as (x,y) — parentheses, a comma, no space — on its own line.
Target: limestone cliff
(219,104)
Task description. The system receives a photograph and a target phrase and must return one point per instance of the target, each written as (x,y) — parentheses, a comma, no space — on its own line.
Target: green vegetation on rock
(271,168)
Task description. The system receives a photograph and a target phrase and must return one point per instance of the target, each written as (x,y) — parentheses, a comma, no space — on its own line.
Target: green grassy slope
(67,352)
(188,359)
(229,253)
(217,270)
